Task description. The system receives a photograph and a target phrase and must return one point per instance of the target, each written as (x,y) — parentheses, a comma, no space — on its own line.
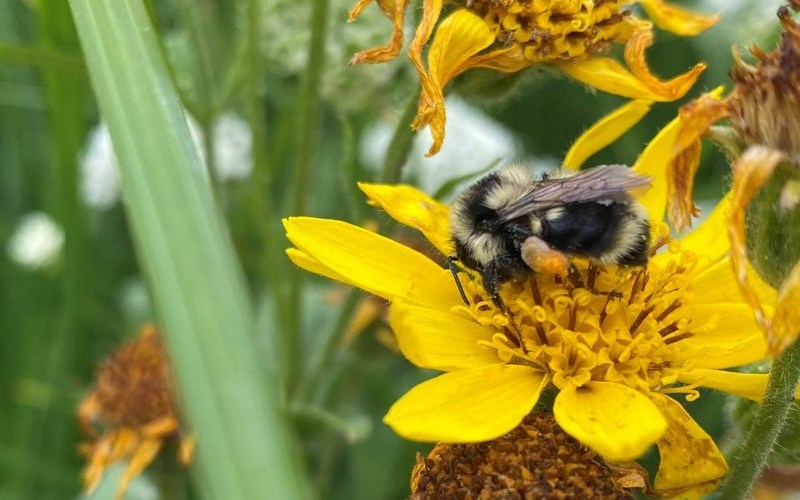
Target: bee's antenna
(451,263)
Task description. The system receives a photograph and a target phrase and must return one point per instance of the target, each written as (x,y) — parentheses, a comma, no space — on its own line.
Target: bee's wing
(604,184)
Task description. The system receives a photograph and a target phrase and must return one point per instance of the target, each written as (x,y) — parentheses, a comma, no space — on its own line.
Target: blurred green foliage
(59,321)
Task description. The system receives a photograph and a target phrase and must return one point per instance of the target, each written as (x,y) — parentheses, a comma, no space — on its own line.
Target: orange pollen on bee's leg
(541,258)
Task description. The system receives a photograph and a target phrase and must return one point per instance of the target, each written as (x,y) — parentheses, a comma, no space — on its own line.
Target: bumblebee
(509,224)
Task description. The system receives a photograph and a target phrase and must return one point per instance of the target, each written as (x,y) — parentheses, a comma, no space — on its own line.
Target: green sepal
(773,229)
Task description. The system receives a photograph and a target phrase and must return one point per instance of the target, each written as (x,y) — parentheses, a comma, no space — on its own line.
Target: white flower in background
(99,179)
(233,147)
(286,37)
(475,142)
(36,242)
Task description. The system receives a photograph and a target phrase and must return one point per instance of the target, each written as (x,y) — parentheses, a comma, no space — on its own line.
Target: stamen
(634,286)
(675,338)
(640,318)
(666,312)
(591,273)
(668,329)
(537,298)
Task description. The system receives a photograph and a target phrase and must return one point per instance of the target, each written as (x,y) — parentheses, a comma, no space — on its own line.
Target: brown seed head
(535,460)
(765,106)
(134,386)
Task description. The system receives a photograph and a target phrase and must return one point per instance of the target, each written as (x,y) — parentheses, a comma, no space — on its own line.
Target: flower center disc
(605,324)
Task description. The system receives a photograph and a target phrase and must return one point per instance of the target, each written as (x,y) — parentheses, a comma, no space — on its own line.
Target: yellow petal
(669,90)
(696,118)
(679,21)
(440,340)
(312,265)
(726,336)
(371,262)
(750,172)
(459,37)
(745,385)
(145,453)
(653,162)
(707,241)
(616,421)
(785,327)
(689,458)
(395,11)
(717,285)
(506,60)
(467,406)
(410,206)
(431,10)
(607,130)
(608,75)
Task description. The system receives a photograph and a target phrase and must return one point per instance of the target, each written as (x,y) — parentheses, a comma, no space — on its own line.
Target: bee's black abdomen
(638,252)
(594,230)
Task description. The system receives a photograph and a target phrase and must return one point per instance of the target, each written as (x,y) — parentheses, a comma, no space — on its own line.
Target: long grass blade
(244,443)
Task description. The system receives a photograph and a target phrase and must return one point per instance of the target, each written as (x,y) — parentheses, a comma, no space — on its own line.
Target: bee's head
(474,226)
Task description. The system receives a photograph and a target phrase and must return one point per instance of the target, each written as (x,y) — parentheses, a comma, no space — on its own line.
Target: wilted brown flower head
(765,104)
(133,406)
(535,460)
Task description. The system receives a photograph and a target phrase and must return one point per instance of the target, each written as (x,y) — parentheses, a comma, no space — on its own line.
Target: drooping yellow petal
(786,321)
(745,385)
(606,74)
(440,340)
(372,262)
(695,117)
(395,11)
(467,406)
(668,90)
(410,206)
(726,336)
(750,172)
(653,162)
(607,130)
(707,241)
(689,458)
(144,455)
(616,421)
(506,60)
(431,10)
(679,21)
(460,36)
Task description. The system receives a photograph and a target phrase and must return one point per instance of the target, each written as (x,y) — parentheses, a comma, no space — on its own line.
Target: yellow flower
(613,350)
(511,35)
(133,402)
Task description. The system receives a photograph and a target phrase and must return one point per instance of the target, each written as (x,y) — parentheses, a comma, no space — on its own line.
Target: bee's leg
(575,276)
(451,263)
(495,273)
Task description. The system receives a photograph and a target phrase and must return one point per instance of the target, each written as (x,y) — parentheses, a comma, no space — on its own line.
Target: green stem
(46,58)
(400,145)
(310,106)
(261,198)
(306,147)
(767,424)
